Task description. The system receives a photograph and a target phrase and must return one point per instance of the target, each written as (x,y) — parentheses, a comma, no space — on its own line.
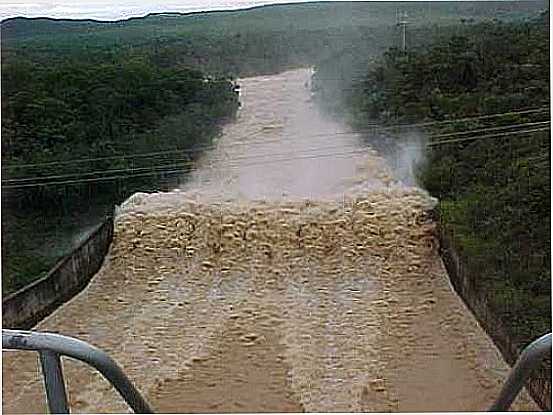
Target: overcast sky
(113,10)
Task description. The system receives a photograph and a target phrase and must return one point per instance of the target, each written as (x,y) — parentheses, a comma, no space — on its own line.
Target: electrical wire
(122,156)
(355,132)
(459,140)
(258,156)
(479,130)
(480,117)
(155,170)
(98,179)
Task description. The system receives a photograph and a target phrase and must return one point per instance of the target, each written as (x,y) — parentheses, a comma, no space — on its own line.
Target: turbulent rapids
(293,273)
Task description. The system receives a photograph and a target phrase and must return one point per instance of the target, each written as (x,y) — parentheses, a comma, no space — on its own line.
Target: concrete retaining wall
(27,306)
(539,385)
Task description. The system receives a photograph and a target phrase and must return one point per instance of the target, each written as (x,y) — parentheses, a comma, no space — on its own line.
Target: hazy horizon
(107,11)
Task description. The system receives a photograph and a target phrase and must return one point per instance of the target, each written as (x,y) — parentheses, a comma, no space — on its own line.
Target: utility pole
(402,22)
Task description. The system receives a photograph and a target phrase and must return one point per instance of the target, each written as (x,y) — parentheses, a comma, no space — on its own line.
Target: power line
(458,140)
(123,156)
(98,179)
(528,124)
(232,163)
(92,173)
(258,156)
(376,127)
(480,117)
(185,161)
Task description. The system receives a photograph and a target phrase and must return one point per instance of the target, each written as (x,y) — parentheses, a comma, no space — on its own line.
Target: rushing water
(280,147)
(291,273)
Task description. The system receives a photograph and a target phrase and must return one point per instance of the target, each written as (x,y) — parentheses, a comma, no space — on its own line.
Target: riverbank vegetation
(70,128)
(79,133)
(491,174)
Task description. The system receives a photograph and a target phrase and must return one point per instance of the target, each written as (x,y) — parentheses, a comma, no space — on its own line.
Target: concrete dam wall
(26,307)
(463,281)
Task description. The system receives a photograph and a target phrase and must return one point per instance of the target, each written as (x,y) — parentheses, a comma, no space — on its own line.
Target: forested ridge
(265,39)
(491,177)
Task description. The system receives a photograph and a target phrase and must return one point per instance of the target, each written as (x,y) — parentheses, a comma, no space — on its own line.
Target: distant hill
(305,16)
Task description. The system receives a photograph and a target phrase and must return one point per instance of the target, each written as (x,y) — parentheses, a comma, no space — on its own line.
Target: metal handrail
(51,347)
(528,360)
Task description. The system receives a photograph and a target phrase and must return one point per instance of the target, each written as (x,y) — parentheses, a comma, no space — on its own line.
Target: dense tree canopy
(73,110)
(74,133)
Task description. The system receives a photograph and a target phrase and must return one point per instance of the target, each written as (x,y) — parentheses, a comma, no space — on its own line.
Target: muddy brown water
(294,273)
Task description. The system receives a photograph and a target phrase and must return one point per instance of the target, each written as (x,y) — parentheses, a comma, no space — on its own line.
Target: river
(295,271)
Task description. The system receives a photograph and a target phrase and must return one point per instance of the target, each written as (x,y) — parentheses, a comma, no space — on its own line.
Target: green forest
(56,115)
(490,174)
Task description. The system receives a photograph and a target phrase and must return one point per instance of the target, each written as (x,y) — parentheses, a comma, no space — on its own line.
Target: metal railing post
(528,360)
(53,382)
(51,346)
